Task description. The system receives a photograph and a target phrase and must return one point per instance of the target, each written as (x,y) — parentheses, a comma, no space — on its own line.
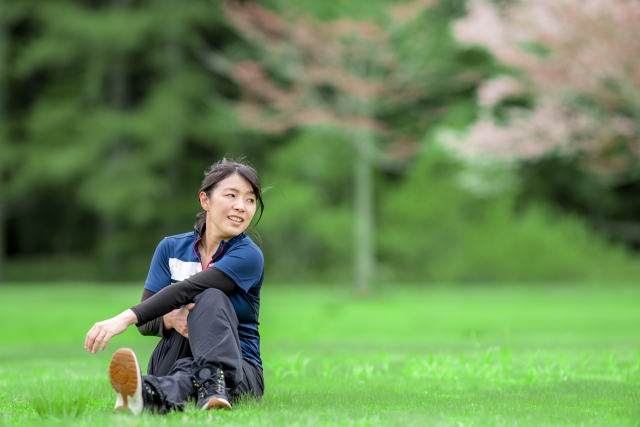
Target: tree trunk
(174,64)
(364,222)
(117,97)
(3,135)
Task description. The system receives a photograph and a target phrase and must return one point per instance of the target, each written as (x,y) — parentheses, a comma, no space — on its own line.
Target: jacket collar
(199,231)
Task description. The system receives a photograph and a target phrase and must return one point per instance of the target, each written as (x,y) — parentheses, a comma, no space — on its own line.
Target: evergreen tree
(3,131)
(11,14)
(109,122)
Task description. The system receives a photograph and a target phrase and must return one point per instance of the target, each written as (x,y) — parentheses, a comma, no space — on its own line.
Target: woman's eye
(251,200)
(231,195)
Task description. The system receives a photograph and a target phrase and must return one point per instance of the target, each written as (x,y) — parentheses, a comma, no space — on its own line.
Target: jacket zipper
(216,255)
(213,258)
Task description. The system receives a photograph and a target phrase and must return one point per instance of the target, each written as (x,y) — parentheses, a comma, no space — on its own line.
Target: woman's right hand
(101,332)
(177,320)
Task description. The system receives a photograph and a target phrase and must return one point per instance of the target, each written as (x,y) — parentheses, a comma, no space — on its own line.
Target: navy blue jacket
(177,258)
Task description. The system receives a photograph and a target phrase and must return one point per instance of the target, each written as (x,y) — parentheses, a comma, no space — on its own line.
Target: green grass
(443,356)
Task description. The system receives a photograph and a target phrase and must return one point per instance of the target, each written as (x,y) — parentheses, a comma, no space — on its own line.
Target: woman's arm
(159,276)
(182,293)
(103,331)
(155,327)
(171,297)
(176,319)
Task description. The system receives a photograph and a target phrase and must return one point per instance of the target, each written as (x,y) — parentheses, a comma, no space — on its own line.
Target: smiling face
(230,207)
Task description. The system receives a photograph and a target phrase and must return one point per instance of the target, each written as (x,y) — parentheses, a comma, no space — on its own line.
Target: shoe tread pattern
(123,374)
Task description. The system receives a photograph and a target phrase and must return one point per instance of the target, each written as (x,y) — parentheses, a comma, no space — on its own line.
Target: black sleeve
(146,294)
(155,327)
(181,293)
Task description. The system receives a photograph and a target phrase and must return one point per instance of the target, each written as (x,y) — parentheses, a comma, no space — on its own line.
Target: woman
(214,356)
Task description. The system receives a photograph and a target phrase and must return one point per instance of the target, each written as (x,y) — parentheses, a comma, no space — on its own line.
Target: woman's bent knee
(210,295)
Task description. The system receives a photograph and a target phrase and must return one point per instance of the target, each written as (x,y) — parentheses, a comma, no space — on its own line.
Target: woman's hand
(177,320)
(103,331)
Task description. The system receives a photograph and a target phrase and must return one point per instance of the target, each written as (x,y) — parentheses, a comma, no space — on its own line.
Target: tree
(572,86)
(3,130)
(345,74)
(108,121)
(11,14)
(76,157)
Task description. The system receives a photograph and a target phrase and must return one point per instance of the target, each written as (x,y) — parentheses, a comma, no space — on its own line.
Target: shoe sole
(124,374)
(216,403)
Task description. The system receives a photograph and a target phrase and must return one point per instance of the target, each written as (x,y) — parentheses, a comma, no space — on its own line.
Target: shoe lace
(214,383)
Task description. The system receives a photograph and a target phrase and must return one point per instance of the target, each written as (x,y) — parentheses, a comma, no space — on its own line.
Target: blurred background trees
(493,145)
(3,121)
(566,105)
(350,76)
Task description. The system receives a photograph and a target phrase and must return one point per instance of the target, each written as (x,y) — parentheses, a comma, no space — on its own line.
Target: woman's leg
(213,335)
(171,391)
(252,383)
(214,343)
(171,348)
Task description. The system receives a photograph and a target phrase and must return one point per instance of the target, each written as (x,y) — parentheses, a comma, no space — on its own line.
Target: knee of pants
(211,296)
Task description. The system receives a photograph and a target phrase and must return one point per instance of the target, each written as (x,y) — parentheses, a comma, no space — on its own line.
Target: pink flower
(492,91)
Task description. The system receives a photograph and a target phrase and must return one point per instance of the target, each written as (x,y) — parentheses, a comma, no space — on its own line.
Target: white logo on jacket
(181,270)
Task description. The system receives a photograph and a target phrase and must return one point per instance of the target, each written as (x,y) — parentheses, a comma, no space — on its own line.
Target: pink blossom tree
(579,60)
(342,74)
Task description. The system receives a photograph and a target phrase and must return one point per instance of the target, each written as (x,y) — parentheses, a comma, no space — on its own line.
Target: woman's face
(230,208)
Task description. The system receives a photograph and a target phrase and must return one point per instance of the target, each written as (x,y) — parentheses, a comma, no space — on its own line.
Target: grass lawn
(439,356)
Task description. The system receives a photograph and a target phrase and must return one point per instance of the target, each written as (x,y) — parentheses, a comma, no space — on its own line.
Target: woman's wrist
(167,321)
(129,316)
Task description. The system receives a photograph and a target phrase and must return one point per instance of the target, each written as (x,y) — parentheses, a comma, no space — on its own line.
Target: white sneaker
(124,374)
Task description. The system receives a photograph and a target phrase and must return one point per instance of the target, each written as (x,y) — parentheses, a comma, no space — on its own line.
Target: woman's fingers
(105,341)
(90,338)
(183,329)
(102,332)
(180,320)
(95,336)
(97,341)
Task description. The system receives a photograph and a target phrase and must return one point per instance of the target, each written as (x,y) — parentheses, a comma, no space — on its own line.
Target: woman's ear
(204,200)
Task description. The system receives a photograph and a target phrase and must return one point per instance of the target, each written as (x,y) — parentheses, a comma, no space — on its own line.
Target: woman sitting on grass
(216,359)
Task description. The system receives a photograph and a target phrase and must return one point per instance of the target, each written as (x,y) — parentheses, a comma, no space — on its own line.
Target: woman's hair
(222,170)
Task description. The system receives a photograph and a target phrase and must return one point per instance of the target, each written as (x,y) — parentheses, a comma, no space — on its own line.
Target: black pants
(213,340)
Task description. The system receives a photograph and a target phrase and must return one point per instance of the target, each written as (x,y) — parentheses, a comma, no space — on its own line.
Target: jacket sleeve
(159,277)
(155,327)
(181,293)
(244,264)
(159,272)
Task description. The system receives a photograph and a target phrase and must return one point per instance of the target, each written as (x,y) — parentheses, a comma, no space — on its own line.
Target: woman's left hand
(102,332)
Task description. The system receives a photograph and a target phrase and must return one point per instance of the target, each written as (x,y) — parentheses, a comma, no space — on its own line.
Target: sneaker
(124,374)
(211,388)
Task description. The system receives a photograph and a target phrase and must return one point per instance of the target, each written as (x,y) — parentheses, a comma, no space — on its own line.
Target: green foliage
(308,230)
(108,132)
(577,158)
(433,228)
(111,116)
